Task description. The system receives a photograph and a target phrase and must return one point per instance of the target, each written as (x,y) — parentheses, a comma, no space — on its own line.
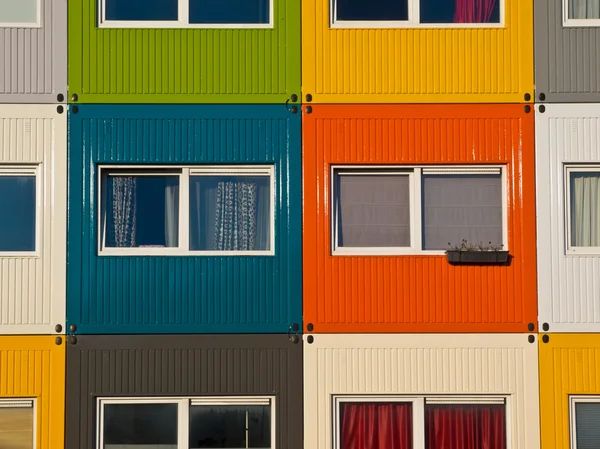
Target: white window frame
(573,400)
(181,22)
(36,24)
(576,168)
(570,23)
(8,170)
(414,10)
(418,411)
(184,206)
(415,174)
(23,403)
(183,409)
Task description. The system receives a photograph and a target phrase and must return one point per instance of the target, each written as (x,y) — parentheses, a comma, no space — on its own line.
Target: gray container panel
(33,61)
(567,60)
(198,365)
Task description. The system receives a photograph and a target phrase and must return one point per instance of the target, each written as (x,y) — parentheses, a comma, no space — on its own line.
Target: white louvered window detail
(585,421)
(581,13)
(395,210)
(17,423)
(189,210)
(20,13)
(186,423)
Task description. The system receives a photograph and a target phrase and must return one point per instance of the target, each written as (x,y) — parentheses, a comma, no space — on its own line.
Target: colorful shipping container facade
(238,167)
(209,379)
(33,192)
(411,288)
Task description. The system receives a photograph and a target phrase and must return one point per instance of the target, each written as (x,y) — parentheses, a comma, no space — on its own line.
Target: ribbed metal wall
(352,294)
(435,364)
(33,61)
(33,288)
(426,65)
(206,294)
(183,366)
(567,59)
(568,285)
(184,65)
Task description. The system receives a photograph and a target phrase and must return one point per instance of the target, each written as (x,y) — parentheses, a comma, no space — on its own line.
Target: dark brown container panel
(189,366)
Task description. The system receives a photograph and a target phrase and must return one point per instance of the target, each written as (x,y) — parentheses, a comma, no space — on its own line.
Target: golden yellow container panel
(569,390)
(32,392)
(414,52)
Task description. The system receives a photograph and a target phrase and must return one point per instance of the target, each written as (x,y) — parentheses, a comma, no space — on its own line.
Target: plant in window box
(476,253)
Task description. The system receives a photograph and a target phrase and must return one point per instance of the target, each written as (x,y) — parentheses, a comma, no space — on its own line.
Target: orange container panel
(418,293)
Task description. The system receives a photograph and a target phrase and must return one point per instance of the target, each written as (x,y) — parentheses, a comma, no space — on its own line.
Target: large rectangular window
(583,209)
(187,423)
(20,13)
(17,424)
(420,422)
(185,13)
(585,421)
(416,13)
(187,211)
(18,203)
(404,210)
(581,13)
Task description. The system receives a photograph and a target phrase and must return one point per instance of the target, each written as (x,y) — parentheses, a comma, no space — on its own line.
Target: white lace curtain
(584,9)
(585,209)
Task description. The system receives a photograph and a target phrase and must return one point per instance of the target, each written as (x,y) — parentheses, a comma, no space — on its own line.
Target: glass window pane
(230,213)
(142,211)
(372,10)
(19,11)
(373,210)
(141,10)
(225,426)
(587,425)
(457,207)
(469,11)
(16,428)
(584,9)
(17,203)
(465,426)
(229,11)
(585,209)
(376,425)
(140,426)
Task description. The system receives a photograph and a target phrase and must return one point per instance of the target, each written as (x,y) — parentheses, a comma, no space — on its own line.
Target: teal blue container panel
(183,294)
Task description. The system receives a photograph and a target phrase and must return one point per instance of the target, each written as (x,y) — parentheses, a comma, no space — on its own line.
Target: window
(585,421)
(420,423)
(185,13)
(17,424)
(187,423)
(581,13)
(20,13)
(407,210)
(187,211)
(416,13)
(583,209)
(18,199)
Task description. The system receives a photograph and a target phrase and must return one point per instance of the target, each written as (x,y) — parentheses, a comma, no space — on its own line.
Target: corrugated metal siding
(568,285)
(567,59)
(33,289)
(33,61)
(187,294)
(420,365)
(34,367)
(183,366)
(418,293)
(441,65)
(569,365)
(184,65)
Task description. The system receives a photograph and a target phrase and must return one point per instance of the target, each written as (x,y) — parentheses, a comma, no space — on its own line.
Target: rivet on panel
(545,339)
(546,327)
(294,98)
(310,339)
(58,328)
(308,97)
(295,327)
(74,97)
(542,97)
(531,339)
(530,327)
(73,328)
(73,340)
(542,108)
(310,327)
(309,109)
(294,339)
(527,97)
(60,109)
(60,98)
(75,109)
(294,109)
(527,109)
(58,341)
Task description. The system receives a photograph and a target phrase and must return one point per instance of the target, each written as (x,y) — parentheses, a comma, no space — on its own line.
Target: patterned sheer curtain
(584,9)
(474,11)
(236,216)
(123,223)
(585,209)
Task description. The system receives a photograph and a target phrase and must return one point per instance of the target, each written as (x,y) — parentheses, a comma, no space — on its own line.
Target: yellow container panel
(418,65)
(34,368)
(569,365)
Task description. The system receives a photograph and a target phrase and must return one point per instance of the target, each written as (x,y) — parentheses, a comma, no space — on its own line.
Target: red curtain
(376,426)
(465,427)
(474,11)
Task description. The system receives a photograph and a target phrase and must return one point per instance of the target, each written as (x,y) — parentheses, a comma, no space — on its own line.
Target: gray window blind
(587,425)
(373,210)
(457,207)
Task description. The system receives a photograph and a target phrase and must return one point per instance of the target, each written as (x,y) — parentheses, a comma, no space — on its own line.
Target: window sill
(383,252)
(340,24)
(582,251)
(176,252)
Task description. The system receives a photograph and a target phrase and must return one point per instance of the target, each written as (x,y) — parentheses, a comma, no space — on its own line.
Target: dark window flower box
(456,257)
